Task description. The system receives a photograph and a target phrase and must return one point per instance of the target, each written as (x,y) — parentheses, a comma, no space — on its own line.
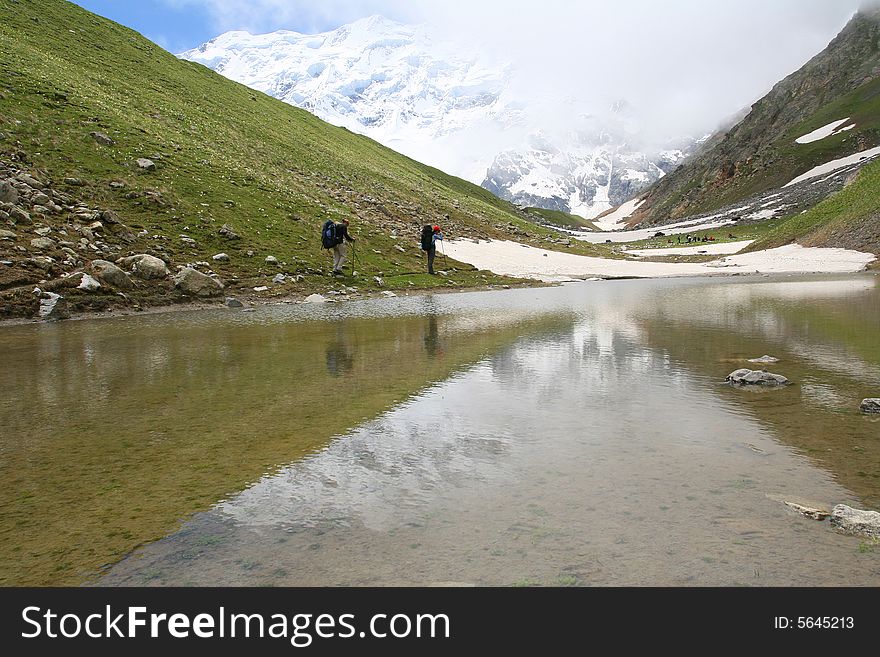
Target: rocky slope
(761,152)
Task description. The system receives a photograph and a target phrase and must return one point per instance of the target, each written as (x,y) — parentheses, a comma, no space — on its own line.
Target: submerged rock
(764,360)
(747,377)
(809,512)
(870,405)
(855,521)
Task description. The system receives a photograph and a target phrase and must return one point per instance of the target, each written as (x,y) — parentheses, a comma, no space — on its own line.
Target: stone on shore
(109,274)
(232,302)
(855,521)
(807,511)
(195,283)
(53,307)
(144,266)
(870,405)
(315,298)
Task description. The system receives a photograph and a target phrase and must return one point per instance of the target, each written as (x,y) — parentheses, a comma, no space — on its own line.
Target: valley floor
(514,259)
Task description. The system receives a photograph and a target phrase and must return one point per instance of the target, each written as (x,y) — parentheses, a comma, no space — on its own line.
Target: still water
(578,435)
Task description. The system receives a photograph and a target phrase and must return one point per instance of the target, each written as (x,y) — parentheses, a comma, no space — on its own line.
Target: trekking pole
(445,259)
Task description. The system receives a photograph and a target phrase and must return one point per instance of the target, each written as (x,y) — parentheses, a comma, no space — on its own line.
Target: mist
(684,66)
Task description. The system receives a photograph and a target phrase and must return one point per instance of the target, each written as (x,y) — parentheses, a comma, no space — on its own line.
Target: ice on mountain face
(441,104)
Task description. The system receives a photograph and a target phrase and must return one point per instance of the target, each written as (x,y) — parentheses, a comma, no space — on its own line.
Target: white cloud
(684,65)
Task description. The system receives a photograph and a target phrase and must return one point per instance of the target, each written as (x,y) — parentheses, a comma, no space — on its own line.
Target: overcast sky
(683,64)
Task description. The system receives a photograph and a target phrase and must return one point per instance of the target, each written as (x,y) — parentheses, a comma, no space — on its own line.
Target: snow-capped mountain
(428,99)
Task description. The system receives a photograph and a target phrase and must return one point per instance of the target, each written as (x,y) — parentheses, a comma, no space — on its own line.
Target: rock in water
(110,274)
(756,378)
(195,283)
(144,266)
(855,521)
(53,307)
(767,360)
(870,405)
(807,511)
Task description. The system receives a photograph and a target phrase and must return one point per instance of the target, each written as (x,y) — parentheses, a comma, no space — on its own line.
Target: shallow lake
(578,435)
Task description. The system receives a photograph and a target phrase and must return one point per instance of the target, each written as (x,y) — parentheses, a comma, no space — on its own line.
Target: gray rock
(388,293)
(43,243)
(379,281)
(40,199)
(74,182)
(30,181)
(88,283)
(746,377)
(8,193)
(808,511)
(855,521)
(53,307)
(144,266)
(232,302)
(220,257)
(110,274)
(146,164)
(101,138)
(271,260)
(110,217)
(7,235)
(43,231)
(195,283)
(261,288)
(315,298)
(870,405)
(228,233)
(279,279)
(20,216)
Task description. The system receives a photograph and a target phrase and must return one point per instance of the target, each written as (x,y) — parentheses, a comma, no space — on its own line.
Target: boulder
(855,521)
(110,274)
(8,193)
(746,377)
(7,235)
(53,307)
(88,283)
(73,182)
(101,138)
(220,257)
(43,243)
(146,164)
(271,260)
(40,199)
(870,406)
(195,283)
(388,293)
(228,233)
(232,302)
(315,298)
(20,216)
(144,266)
(30,181)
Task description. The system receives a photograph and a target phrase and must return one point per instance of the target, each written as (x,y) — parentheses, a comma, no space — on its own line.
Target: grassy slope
(225,154)
(849,219)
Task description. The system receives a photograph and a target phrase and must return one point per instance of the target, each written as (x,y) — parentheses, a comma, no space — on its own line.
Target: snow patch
(834,165)
(617,219)
(823,132)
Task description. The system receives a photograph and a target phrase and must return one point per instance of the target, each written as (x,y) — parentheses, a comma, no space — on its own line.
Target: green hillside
(224,155)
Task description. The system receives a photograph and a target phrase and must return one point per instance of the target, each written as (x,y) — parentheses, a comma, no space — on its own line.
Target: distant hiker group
(335,235)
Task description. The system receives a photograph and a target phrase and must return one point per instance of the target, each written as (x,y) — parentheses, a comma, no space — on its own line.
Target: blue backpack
(328,234)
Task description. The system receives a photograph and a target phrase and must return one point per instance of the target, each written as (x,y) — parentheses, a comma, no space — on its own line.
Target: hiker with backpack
(334,236)
(430,236)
